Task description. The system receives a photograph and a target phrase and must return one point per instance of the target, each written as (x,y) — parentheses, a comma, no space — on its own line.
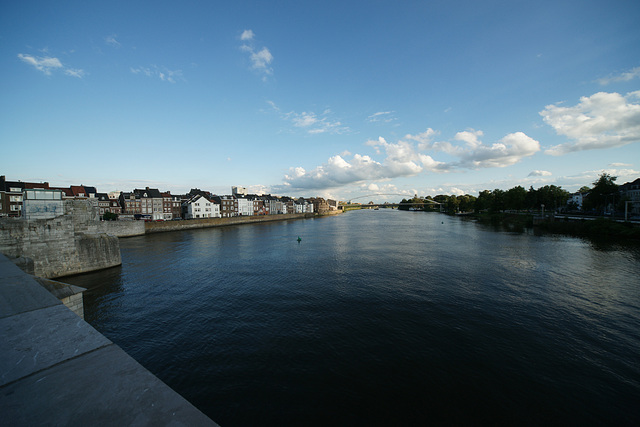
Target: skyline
(333,100)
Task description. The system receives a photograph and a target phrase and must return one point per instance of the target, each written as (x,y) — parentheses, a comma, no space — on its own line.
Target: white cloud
(603,120)
(311,122)
(260,58)
(46,64)
(508,151)
(74,73)
(475,155)
(247,35)
(382,117)
(539,173)
(470,137)
(622,77)
(619,165)
(424,139)
(111,41)
(163,73)
(49,64)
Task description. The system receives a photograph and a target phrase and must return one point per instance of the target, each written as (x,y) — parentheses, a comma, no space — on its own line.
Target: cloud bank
(411,156)
(602,120)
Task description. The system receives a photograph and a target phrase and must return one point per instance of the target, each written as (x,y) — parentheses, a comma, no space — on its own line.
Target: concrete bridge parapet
(55,369)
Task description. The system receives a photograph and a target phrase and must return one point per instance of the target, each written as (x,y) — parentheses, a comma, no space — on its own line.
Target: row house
(228,205)
(258,205)
(107,204)
(176,206)
(11,197)
(245,205)
(130,203)
(304,206)
(201,207)
(167,206)
(151,203)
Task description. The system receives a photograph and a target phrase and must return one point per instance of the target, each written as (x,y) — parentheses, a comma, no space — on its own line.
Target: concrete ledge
(55,369)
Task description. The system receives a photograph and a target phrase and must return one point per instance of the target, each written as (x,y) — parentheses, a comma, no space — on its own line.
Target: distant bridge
(384,205)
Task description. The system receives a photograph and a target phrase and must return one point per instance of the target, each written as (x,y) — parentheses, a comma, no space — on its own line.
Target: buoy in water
(299,239)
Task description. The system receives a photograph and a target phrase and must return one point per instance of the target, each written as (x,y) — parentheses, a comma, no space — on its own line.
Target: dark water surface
(380,318)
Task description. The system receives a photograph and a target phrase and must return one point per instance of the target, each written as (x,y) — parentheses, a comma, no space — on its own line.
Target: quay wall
(68,244)
(189,224)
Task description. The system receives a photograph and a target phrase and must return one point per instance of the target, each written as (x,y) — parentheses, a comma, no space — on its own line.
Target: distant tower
(238,190)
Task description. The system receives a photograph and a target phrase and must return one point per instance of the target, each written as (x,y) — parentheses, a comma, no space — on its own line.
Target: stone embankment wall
(69,244)
(162,226)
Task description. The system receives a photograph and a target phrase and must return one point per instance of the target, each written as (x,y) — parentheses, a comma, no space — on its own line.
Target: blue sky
(336,99)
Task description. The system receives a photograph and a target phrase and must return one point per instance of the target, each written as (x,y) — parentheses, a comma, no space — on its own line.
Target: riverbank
(190,224)
(600,227)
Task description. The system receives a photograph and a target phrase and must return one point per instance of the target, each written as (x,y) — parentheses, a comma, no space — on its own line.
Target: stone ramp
(55,369)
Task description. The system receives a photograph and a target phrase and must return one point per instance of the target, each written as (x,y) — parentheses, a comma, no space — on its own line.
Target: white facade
(245,206)
(201,207)
(577,198)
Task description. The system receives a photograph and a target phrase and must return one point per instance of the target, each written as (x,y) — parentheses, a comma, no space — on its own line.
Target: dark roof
(148,193)
(6,185)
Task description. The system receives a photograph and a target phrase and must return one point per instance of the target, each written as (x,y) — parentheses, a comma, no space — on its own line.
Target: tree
(484,200)
(466,203)
(497,204)
(603,193)
(515,198)
(109,216)
(552,197)
(452,204)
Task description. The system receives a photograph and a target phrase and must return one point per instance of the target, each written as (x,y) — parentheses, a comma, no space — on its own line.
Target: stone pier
(55,369)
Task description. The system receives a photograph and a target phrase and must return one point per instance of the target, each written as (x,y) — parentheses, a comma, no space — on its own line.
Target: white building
(201,207)
(577,198)
(245,206)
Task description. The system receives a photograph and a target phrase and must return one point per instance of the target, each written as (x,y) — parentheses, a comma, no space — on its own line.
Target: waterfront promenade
(55,369)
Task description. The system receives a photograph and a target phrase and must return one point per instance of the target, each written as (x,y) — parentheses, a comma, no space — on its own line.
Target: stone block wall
(65,245)
(75,303)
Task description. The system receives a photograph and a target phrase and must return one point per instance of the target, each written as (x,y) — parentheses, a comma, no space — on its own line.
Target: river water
(380,317)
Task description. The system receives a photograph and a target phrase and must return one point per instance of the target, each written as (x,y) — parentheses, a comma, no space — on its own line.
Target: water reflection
(380,317)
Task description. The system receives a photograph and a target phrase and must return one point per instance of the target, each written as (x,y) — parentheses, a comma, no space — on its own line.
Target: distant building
(320,205)
(630,191)
(11,195)
(239,191)
(228,205)
(577,199)
(151,203)
(245,205)
(130,203)
(42,203)
(201,207)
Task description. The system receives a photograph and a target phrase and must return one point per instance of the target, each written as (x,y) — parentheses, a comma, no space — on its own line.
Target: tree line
(601,196)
